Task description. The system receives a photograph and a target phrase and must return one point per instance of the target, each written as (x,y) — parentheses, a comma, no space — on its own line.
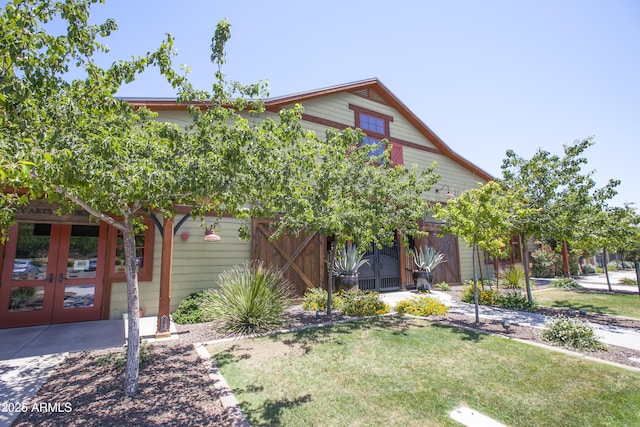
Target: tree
(358,197)
(557,194)
(74,143)
(611,228)
(484,217)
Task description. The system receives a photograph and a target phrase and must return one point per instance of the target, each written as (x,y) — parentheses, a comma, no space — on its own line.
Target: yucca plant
(513,277)
(348,263)
(427,258)
(250,298)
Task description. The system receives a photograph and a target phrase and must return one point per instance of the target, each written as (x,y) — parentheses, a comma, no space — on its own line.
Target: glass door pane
(30,265)
(82,262)
(32,252)
(82,258)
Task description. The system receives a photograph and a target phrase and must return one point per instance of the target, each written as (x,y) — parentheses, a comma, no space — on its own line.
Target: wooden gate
(301,257)
(449,271)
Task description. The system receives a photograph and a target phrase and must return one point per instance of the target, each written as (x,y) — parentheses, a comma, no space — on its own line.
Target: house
(66,268)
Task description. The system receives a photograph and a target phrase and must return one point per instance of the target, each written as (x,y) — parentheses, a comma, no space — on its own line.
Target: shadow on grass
(574,305)
(306,338)
(270,412)
(233,354)
(465,331)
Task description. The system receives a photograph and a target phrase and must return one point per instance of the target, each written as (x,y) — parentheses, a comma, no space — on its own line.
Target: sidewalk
(613,335)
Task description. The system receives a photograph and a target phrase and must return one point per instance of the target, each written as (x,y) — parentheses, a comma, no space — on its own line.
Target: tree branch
(101,216)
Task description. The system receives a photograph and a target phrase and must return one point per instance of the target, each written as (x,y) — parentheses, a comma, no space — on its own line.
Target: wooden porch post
(166,268)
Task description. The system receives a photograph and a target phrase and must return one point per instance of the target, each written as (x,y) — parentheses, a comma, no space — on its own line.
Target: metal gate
(382,274)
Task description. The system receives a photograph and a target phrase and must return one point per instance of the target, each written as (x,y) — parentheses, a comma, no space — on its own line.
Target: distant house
(76,270)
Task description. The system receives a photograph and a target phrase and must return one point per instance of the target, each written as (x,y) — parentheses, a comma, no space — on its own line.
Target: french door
(52,273)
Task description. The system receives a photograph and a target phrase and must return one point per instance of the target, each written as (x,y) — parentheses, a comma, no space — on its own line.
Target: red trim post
(166,268)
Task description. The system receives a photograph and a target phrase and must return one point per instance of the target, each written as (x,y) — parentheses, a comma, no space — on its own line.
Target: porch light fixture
(210,236)
(449,194)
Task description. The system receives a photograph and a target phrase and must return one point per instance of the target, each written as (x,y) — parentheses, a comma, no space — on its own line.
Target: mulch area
(174,387)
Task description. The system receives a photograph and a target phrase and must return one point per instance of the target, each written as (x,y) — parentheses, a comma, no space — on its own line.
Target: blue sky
(484,76)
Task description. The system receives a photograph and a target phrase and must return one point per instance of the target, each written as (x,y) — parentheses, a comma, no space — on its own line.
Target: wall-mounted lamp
(449,194)
(210,236)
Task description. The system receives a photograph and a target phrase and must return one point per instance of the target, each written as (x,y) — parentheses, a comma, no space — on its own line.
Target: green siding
(196,265)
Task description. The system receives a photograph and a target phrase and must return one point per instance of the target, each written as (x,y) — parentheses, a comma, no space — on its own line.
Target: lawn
(619,304)
(398,371)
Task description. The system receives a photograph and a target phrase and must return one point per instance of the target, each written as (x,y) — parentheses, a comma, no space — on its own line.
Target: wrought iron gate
(382,274)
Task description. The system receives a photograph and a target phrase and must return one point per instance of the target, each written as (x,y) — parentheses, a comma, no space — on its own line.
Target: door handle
(50,279)
(59,277)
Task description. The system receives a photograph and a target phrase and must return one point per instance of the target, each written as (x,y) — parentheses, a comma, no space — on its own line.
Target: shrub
(515,301)
(513,277)
(572,333)
(564,283)
(485,296)
(588,269)
(361,303)
(422,306)
(190,310)
(315,299)
(444,286)
(544,261)
(628,281)
(250,298)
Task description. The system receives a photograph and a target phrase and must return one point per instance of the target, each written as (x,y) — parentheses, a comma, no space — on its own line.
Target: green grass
(397,371)
(617,304)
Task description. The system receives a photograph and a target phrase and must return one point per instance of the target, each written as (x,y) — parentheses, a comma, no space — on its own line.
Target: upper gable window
(376,127)
(374,124)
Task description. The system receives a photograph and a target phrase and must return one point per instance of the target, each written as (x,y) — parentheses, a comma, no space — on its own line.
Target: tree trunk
(606,268)
(565,259)
(133,302)
(332,260)
(475,288)
(477,252)
(525,261)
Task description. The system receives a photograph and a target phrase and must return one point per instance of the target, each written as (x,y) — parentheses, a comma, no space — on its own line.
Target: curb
(226,397)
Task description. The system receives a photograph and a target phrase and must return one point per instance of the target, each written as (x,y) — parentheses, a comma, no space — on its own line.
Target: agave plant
(348,263)
(427,258)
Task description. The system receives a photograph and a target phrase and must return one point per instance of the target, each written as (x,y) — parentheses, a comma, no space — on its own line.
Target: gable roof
(377,91)
(371,88)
